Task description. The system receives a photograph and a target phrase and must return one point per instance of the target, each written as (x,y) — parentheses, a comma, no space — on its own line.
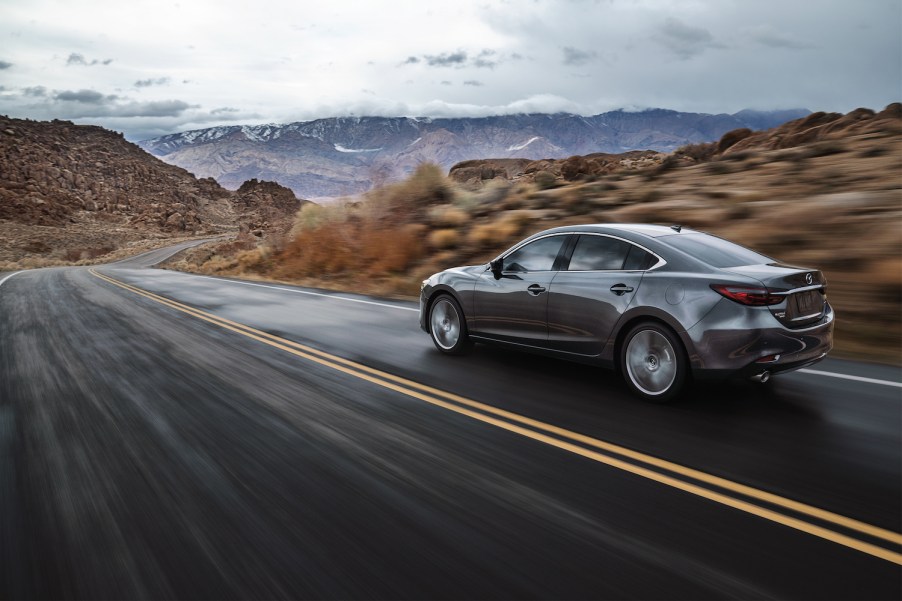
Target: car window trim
(523,243)
(660,260)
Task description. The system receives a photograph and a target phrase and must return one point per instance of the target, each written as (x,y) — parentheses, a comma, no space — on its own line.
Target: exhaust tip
(763,377)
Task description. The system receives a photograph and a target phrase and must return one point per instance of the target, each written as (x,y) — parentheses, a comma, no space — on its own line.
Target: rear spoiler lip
(797,290)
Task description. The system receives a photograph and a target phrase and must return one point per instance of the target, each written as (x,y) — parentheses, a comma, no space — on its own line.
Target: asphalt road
(164,435)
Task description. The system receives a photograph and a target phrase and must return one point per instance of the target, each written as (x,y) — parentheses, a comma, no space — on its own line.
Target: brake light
(748,295)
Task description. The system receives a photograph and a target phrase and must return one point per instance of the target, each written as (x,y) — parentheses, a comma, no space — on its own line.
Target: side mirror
(497,266)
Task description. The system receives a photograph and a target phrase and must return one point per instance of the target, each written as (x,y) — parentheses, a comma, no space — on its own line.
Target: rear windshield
(715,251)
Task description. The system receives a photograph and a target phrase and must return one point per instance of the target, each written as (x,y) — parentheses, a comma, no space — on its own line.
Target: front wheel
(653,362)
(448,327)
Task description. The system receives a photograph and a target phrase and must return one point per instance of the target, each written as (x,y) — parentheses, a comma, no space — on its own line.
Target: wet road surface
(164,435)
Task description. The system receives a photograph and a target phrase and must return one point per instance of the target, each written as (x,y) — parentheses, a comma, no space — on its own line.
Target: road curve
(166,435)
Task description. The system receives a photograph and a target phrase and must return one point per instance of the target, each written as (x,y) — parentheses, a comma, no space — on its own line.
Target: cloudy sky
(151,68)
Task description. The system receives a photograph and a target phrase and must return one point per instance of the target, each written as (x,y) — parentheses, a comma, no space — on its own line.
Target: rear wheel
(653,362)
(448,327)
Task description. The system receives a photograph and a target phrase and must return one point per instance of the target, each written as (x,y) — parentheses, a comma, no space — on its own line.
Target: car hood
(468,269)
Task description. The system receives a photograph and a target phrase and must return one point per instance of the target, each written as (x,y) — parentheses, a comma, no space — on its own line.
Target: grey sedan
(659,304)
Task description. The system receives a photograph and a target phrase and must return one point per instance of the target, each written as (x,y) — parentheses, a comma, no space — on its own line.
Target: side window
(638,259)
(535,256)
(597,253)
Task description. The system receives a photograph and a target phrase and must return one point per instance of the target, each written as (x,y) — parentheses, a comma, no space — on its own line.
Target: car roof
(643,229)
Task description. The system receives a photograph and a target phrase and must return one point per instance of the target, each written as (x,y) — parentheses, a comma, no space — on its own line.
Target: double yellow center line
(827,525)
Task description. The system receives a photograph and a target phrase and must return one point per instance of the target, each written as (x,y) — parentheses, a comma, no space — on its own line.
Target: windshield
(715,251)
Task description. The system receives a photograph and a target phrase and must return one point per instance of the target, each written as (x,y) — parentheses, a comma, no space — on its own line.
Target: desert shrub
(350,248)
(601,187)
(669,163)
(718,168)
(36,262)
(319,251)
(732,137)
(312,215)
(389,250)
(874,151)
(823,149)
(739,212)
(698,152)
(218,264)
(253,260)
(494,192)
(739,156)
(38,247)
(448,215)
(651,195)
(443,239)
(493,234)
(545,180)
(72,255)
(574,167)
(427,186)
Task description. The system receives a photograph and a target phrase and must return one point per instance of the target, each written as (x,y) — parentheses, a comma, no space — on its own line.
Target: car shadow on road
(582,383)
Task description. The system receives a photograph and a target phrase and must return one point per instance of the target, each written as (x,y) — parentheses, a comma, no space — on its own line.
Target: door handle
(536,290)
(620,289)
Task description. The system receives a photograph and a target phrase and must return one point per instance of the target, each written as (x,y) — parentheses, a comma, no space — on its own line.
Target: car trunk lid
(805,291)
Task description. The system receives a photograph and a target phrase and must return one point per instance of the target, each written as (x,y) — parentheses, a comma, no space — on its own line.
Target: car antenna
(676,228)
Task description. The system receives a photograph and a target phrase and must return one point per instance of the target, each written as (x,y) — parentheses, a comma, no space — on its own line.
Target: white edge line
(294,290)
(848,377)
(9,276)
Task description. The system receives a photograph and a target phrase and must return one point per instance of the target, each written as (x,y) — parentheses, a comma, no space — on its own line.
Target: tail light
(749,295)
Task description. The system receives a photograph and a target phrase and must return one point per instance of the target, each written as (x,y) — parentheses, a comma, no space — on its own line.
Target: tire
(448,327)
(653,362)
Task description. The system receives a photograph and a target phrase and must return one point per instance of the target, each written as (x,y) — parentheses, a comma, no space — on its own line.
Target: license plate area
(806,306)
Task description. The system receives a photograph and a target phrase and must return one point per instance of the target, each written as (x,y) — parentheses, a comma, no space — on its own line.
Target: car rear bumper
(723,345)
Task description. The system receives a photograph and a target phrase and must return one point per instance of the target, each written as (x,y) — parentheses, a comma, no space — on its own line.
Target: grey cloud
(76,59)
(685,40)
(473,82)
(225,109)
(768,36)
(5,65)
(83,96)
(446,83)
(454,59)
(575,56)
(35,91)
(146,83)
(89,103)
(159,108)
(486,59)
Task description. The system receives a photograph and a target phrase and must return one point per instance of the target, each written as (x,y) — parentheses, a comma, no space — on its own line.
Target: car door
(513,308)
(592,291)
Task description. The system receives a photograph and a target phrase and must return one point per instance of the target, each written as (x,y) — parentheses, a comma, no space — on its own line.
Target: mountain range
(334,157)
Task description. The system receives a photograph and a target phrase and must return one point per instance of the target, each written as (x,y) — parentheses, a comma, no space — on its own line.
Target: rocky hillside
(346,156)
(823,191)
(265,208)
(813,131)
(71,192)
